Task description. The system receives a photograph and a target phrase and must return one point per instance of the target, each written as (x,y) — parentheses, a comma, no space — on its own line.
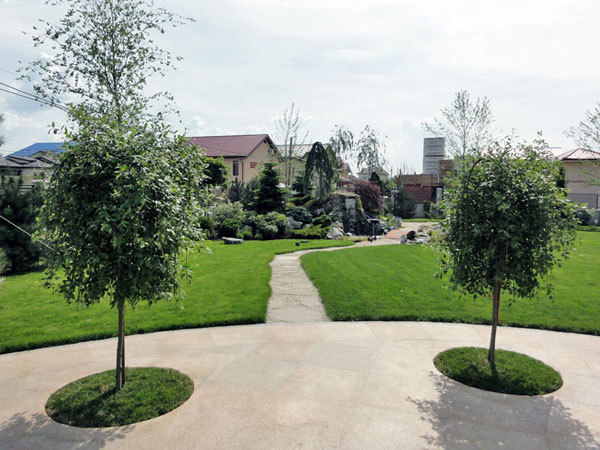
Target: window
(236,168)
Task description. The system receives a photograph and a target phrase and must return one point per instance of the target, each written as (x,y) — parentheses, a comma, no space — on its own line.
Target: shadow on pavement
(39,431)
(464,417)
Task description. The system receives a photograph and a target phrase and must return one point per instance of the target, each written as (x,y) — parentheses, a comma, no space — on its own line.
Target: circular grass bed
(92,401)
(516,373)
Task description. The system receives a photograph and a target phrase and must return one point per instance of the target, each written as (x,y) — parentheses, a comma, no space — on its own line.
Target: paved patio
(321,385)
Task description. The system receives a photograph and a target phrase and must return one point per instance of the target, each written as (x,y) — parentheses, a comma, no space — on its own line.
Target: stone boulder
(232,241)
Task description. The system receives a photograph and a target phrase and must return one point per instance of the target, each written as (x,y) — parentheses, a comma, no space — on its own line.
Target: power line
(29,96)
(28,234)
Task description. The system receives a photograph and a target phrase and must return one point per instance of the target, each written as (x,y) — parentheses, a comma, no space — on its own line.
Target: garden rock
(335,233)
(294,224)
(231,241)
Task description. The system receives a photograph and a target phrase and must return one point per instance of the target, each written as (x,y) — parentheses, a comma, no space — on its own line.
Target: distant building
(433,152)
(244,154)
(365,174)
(48,149)
(582,176)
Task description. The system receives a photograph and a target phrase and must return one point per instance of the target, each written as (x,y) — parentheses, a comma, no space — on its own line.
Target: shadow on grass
(40,431)
(468,417)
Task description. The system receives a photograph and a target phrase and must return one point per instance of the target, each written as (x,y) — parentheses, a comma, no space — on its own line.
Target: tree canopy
(464,124)
(269,196)
(320,165)
(587,133)
(123,201)
(507,223)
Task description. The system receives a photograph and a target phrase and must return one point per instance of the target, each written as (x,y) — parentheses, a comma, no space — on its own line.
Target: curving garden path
(294,299)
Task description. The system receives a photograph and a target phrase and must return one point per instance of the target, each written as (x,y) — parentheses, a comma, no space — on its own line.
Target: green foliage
(323,220)
(106,53)
(516,374)
(404,204)
(465,125)
(342,142)
(207,226)
(21,208)
(229,227)
(248,195)
(561,178)
(4,262)
(508,222)
(583,216)
(269,196)
(370,149)
(245,233)
(2,139)
(301,214)
(215,172)
(298,188)
(268,226)
(120,231)
(234,193)
(313,232)
(322,166)
(227,210)
(93,402)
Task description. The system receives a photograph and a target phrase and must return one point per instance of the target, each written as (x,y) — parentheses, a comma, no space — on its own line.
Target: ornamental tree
(269,196)
(508,224)
(320,165)
(120,206)
(123,201)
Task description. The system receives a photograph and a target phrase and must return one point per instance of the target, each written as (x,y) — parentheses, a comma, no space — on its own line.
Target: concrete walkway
(325,385)
(294,299)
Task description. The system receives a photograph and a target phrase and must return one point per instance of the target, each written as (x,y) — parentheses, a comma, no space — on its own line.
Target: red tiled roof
(579,154)
(230,146)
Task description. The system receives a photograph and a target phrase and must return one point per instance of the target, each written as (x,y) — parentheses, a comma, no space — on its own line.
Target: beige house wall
(583,177)
(250,166)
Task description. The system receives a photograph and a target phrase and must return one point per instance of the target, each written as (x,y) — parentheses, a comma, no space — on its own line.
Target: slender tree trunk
(496,309)
(120,369)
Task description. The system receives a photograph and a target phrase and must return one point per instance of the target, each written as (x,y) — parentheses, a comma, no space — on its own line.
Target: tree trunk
(496,309)
(120,369)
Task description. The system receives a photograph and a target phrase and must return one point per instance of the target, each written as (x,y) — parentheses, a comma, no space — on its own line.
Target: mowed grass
(515,373)
(92,401)
(229,286)
(396,282)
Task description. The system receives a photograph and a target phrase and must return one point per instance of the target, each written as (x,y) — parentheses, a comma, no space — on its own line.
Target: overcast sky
(390,64)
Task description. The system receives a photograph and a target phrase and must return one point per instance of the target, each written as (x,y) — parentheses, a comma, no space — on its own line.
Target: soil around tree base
(516,373)
(92,401)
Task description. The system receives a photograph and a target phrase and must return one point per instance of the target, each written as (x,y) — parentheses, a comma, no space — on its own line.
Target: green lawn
(92,401)
(397,283)
(229,286)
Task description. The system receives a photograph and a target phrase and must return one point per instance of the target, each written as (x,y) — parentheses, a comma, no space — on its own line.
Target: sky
(392,64)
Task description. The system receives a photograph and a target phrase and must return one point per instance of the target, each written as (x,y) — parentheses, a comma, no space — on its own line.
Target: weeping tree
(123,201)
(508,224)
(320,165)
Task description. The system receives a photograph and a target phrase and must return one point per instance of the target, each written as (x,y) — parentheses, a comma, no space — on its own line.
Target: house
(243,154)
(42,149)
(582,176)
(365,174)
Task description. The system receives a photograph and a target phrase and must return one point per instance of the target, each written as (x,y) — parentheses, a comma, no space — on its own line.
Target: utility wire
(28,234)
(29,96)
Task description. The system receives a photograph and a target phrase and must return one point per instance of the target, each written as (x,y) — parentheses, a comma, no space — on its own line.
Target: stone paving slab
(294,299)
(358,385)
